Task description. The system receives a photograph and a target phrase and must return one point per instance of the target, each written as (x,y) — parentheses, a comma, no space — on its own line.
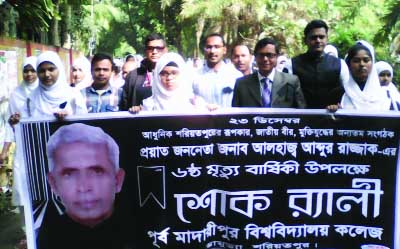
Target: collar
(108,89)
(207,69)
(270,76)
(313,56)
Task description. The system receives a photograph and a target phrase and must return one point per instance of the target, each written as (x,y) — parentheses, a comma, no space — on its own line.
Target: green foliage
(120,25)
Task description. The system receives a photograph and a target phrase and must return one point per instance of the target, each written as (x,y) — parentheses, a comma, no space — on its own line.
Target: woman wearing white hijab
(331,50)
(18,99)
(81,74)
(385,73)
(54,96)
(362,89)
(171,90)
(16,103)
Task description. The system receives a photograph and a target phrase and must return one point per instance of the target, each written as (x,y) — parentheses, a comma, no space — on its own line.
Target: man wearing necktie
(268,87)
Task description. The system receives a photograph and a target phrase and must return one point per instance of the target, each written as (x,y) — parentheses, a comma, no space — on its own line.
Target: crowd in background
(162,81)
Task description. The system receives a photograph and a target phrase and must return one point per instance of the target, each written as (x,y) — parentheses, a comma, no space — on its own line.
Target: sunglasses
(157,48)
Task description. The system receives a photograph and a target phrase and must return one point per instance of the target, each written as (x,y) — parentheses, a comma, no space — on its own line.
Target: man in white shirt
(216,80)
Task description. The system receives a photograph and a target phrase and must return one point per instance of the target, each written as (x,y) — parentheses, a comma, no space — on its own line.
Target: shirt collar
(108,89)
(270,76)
(208,69)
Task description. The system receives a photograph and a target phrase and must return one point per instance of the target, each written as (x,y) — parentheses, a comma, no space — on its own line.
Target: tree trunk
(199,32)
(54,28)
(66,29)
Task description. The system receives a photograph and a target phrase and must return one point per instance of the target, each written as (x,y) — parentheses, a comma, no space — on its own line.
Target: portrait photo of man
(84,172)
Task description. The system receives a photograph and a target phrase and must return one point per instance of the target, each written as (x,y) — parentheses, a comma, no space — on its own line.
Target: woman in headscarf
(385,73)
(18,98)
(54,96)
(331,50)
(171,90)
(16,103)
(81,74)
(362,89)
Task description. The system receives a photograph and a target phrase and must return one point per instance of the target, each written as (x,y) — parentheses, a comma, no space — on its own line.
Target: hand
(333,108)
(14,119)
(3,157)
(135,109)
(212,107)
(60,115)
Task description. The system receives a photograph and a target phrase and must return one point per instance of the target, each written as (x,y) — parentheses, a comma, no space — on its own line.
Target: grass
(11,232)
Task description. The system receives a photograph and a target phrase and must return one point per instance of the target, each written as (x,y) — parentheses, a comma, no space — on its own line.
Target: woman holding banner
(362,90)
(172,88)
(54,96)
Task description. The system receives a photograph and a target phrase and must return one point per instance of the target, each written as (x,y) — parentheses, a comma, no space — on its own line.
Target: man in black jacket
(321,75)
(138,82)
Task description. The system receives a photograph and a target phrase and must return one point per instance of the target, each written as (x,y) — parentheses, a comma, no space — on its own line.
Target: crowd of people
(163,81)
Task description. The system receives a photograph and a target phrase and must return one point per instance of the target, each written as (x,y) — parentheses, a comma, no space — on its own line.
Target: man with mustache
(84,173)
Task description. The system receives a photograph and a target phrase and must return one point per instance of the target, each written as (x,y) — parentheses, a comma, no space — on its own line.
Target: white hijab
(176,100)
(372,97)
(21,93)
(331,50)
(46,100)
(391,88)
(84,64)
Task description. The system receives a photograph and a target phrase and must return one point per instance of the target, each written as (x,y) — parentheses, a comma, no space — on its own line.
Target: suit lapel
(277,85)
(254,88)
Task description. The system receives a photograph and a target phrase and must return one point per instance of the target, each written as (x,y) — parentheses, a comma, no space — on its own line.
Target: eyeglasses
(268,55)
(210,47)
(157,48)
(165,74)
(385,74)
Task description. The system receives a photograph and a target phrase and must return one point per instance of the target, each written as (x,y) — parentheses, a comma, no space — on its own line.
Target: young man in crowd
(215,81)
(242,58)
(138,82)
(101,96)
(321,75)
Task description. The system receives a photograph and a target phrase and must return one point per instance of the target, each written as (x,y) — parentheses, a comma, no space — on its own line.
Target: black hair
(171,64)
(215,35)
(264,42)
(154,36)
(128,57)
(240,44)
(315,24)
(354,50)
(101,56)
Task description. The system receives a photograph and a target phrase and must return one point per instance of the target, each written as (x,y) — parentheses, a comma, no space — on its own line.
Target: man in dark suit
(268,87)
(138,82)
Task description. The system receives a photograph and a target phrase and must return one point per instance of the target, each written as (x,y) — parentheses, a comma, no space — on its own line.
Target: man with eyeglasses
(321,75)
(138,82)
(215,81)
(268,87)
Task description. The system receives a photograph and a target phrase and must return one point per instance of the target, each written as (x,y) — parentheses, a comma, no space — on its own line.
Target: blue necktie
(266,93)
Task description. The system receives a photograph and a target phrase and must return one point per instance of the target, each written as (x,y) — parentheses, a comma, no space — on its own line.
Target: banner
(261,179)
